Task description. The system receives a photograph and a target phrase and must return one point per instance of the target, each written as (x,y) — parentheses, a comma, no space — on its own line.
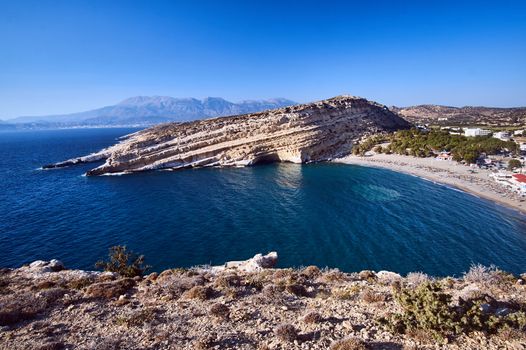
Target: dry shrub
(422,336)
(297,289)
(283,273)
(206,342)
(416,278)
(372,297)
(54,345)
(257,281)
(220,311)
(348,344)
(286,332)
(333,276)
(232,293)
(165,275)
(45,285)
(312,317)
(178,285)
(52,295)
(272,293)
(138,318)
(109,290)
(512,334)
(20,307)
(481,274)
(311,272)
(346,293)
(80,283)
(227,281)
(367,275)
(199,292)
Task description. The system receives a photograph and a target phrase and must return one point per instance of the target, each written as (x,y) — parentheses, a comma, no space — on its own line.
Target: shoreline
(448,173)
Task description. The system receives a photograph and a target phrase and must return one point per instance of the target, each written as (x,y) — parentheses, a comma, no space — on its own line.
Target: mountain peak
(149,110)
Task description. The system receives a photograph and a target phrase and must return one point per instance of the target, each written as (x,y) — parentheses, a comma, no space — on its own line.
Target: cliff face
(302,133)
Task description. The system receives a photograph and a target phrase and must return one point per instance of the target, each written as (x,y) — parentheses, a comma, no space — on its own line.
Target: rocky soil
(242,305)
(444,115)
(302,133)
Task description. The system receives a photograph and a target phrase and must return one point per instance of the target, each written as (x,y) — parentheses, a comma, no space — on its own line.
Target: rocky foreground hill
(301,133)
(250,305)
(468,116)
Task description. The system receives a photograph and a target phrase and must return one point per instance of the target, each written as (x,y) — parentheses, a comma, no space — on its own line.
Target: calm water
(341,216)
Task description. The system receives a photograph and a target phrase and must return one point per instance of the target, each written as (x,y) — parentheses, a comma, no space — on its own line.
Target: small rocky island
(302,133)
(253,305)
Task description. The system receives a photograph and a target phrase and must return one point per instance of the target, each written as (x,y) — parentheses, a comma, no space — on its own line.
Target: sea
(330,215)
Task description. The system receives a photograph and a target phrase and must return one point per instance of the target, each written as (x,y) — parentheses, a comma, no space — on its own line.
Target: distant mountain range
(148,110)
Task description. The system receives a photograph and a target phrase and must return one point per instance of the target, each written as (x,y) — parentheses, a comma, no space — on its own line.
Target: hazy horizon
(65,57)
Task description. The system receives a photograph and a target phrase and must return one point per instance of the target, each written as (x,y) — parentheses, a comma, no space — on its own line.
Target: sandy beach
(450,173)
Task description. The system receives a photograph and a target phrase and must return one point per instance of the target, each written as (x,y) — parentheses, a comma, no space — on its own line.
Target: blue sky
(68,56)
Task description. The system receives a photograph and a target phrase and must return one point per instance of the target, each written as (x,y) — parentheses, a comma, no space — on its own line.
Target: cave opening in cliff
(267,159)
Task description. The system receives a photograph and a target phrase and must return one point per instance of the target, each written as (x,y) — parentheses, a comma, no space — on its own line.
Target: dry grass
(109,290)
(227,281)
(220,311)
(346,293)
(138,318)
(311,272)
(367,275)
(286,332)
(481,274)
(297,289)
(199,292)
(20,307)
(348,344)
(416,278)
(313,317)
(372,297)
(80,283)
(333,276)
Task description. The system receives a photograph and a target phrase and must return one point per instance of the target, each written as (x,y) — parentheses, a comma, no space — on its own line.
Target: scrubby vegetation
(514,164)
(428,308)
(307,308)
(124,262)
(416,143)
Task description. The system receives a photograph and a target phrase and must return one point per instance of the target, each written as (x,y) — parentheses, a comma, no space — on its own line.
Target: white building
(476,132)
(518,132)
(502,135)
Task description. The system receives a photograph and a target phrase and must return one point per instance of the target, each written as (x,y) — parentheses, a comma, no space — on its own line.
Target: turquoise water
(333,215)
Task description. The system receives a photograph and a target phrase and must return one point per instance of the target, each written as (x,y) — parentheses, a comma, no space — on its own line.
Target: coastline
(448,173)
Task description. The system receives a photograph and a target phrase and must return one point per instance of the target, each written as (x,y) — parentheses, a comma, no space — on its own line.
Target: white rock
(388,276)
(257,263)
(38,263)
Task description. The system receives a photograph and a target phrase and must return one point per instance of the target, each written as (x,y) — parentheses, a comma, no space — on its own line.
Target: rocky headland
(252,305)
(302,133)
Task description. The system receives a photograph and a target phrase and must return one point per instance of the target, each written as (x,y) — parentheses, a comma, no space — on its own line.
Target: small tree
(514,163)
(126,263)
(471,157)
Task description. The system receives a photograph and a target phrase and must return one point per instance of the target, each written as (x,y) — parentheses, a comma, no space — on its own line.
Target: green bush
(429,309)
(124,262)
(514,163)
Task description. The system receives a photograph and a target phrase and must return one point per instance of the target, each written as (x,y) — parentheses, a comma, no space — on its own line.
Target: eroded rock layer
(302,133)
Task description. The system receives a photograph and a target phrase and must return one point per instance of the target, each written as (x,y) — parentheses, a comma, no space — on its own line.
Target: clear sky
(69,56)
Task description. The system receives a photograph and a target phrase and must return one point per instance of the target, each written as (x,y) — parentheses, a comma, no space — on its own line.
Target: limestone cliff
(303,133)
